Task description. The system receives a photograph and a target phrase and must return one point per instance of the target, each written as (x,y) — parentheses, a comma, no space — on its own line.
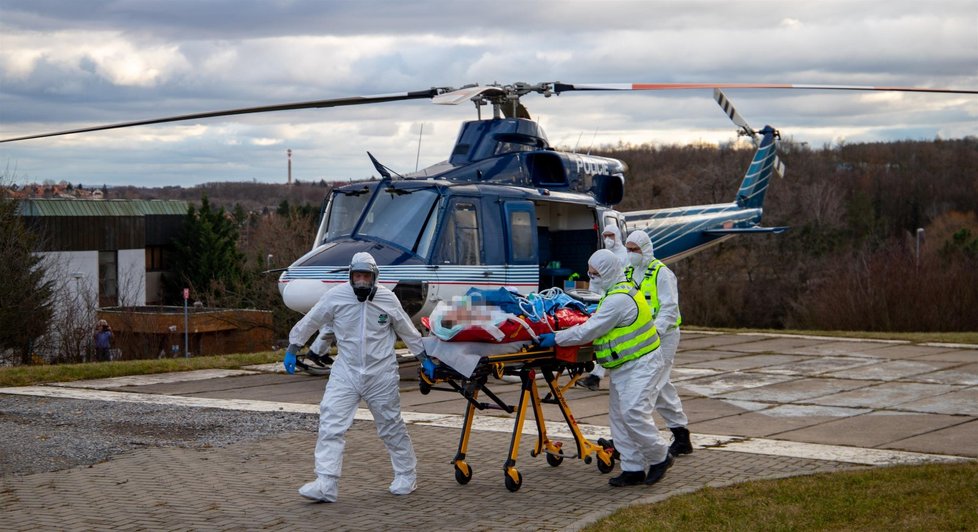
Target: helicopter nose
(301,294)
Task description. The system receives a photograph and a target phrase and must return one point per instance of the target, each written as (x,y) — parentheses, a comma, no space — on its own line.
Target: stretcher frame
(525,364)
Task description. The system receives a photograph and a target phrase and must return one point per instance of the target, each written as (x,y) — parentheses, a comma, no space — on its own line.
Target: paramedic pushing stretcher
(627,345)
(364,316)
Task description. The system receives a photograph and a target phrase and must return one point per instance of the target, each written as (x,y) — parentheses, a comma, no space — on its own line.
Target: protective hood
(364,262)
(615,244)
(609,270)
(642,240)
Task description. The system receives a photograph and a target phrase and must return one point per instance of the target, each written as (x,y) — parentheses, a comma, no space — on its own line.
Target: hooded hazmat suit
(365,369)
(666,322)
(634,383)
(611,236)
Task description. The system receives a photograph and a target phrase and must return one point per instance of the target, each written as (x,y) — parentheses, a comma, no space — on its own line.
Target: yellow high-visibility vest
(650,288)
(631,341)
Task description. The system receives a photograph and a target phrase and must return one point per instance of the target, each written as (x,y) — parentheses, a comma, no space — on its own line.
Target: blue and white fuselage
(505,211)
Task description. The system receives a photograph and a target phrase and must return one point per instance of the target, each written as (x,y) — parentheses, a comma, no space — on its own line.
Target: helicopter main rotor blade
(314,104)
(566,87)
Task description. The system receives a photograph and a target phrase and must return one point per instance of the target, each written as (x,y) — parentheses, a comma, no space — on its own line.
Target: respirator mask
(363,289)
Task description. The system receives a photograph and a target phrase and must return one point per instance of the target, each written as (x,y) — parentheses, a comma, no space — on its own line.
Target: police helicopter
(506,209)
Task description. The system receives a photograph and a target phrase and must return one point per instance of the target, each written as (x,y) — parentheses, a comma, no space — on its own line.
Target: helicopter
(506,209)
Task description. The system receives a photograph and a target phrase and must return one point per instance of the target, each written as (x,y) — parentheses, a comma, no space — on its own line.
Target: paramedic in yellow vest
(626,344)
(658,283)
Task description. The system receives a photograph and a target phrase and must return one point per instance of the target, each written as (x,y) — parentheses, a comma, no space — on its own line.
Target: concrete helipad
(761,406)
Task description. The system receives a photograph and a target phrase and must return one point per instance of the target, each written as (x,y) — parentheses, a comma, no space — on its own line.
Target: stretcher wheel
(606,468)
(555,459)
(511,484)
(463,473)
(424,387)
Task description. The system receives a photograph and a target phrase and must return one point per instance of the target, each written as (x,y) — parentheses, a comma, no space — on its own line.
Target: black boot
(591,382)
(680,442)
(657,471)
(627,478)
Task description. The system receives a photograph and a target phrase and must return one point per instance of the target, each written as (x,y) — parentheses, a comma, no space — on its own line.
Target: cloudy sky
(70,64)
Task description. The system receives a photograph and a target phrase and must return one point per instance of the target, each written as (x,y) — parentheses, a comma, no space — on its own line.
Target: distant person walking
(103,340)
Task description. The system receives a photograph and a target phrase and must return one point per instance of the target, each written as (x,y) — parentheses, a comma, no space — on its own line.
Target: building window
(154,259)
(108,278)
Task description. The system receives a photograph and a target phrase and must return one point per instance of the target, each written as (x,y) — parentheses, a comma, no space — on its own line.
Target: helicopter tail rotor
(745,128)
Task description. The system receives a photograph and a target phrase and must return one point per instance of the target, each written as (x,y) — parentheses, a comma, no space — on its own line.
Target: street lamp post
(920,236)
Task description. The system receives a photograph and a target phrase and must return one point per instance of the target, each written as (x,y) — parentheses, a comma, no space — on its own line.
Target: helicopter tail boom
(765,163)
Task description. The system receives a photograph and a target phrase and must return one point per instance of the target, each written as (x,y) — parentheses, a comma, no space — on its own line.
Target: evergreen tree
(206,257)
(25,296)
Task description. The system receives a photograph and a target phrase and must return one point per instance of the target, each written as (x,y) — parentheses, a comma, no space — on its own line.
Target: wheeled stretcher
(525,363)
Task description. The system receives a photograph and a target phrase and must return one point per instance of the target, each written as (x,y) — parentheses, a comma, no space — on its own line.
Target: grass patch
(29,375)
(928,497)
(912,337)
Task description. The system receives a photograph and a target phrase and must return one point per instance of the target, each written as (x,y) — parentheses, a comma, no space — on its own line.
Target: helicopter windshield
(399,217)
(344,211)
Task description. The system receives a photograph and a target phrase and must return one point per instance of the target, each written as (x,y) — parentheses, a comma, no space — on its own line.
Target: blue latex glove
(427,365)
(289,361)
(547,340)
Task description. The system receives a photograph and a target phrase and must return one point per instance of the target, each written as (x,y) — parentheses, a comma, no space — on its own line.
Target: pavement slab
(718,341)
(963,402)
(819,365)
(889,370)
(729,382)
(875,429)
(839,348)
(964,375)
(888,395)
(960,439)
(747,362)
(958,355)
(909,351)
(795,390)
(773,345)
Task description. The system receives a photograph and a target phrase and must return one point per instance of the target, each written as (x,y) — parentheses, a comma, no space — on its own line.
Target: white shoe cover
(404,484)
(322,489)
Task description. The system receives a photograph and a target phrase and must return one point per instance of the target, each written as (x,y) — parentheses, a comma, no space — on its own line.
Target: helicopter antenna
(417,158)
(578,141)
(384,171)
(592,141)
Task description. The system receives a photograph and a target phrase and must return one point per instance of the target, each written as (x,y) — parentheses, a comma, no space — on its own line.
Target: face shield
(363,276)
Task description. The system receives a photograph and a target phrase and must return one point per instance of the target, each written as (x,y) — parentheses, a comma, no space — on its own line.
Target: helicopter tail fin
(765,163)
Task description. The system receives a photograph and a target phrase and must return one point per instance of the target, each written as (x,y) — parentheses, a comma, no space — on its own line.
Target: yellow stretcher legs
(526,367)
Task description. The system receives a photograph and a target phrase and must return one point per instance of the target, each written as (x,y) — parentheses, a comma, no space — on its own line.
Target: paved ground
(761,407)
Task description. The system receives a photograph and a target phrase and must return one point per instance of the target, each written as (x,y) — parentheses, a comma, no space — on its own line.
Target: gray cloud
(70,64)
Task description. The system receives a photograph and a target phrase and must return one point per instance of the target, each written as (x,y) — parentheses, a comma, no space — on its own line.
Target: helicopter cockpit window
(516,143)
(399,218)
(344,211)
(460,237)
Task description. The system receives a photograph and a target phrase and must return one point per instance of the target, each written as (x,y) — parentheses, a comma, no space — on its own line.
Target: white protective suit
(634,383)
(667,403)
(365,369)
(618,248)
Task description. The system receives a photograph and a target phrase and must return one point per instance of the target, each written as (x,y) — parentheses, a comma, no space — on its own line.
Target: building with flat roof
(107,251)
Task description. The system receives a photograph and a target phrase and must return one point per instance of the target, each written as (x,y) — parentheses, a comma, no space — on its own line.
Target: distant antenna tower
(289,151)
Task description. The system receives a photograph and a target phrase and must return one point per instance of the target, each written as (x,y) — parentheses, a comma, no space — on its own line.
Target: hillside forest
(850,261)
